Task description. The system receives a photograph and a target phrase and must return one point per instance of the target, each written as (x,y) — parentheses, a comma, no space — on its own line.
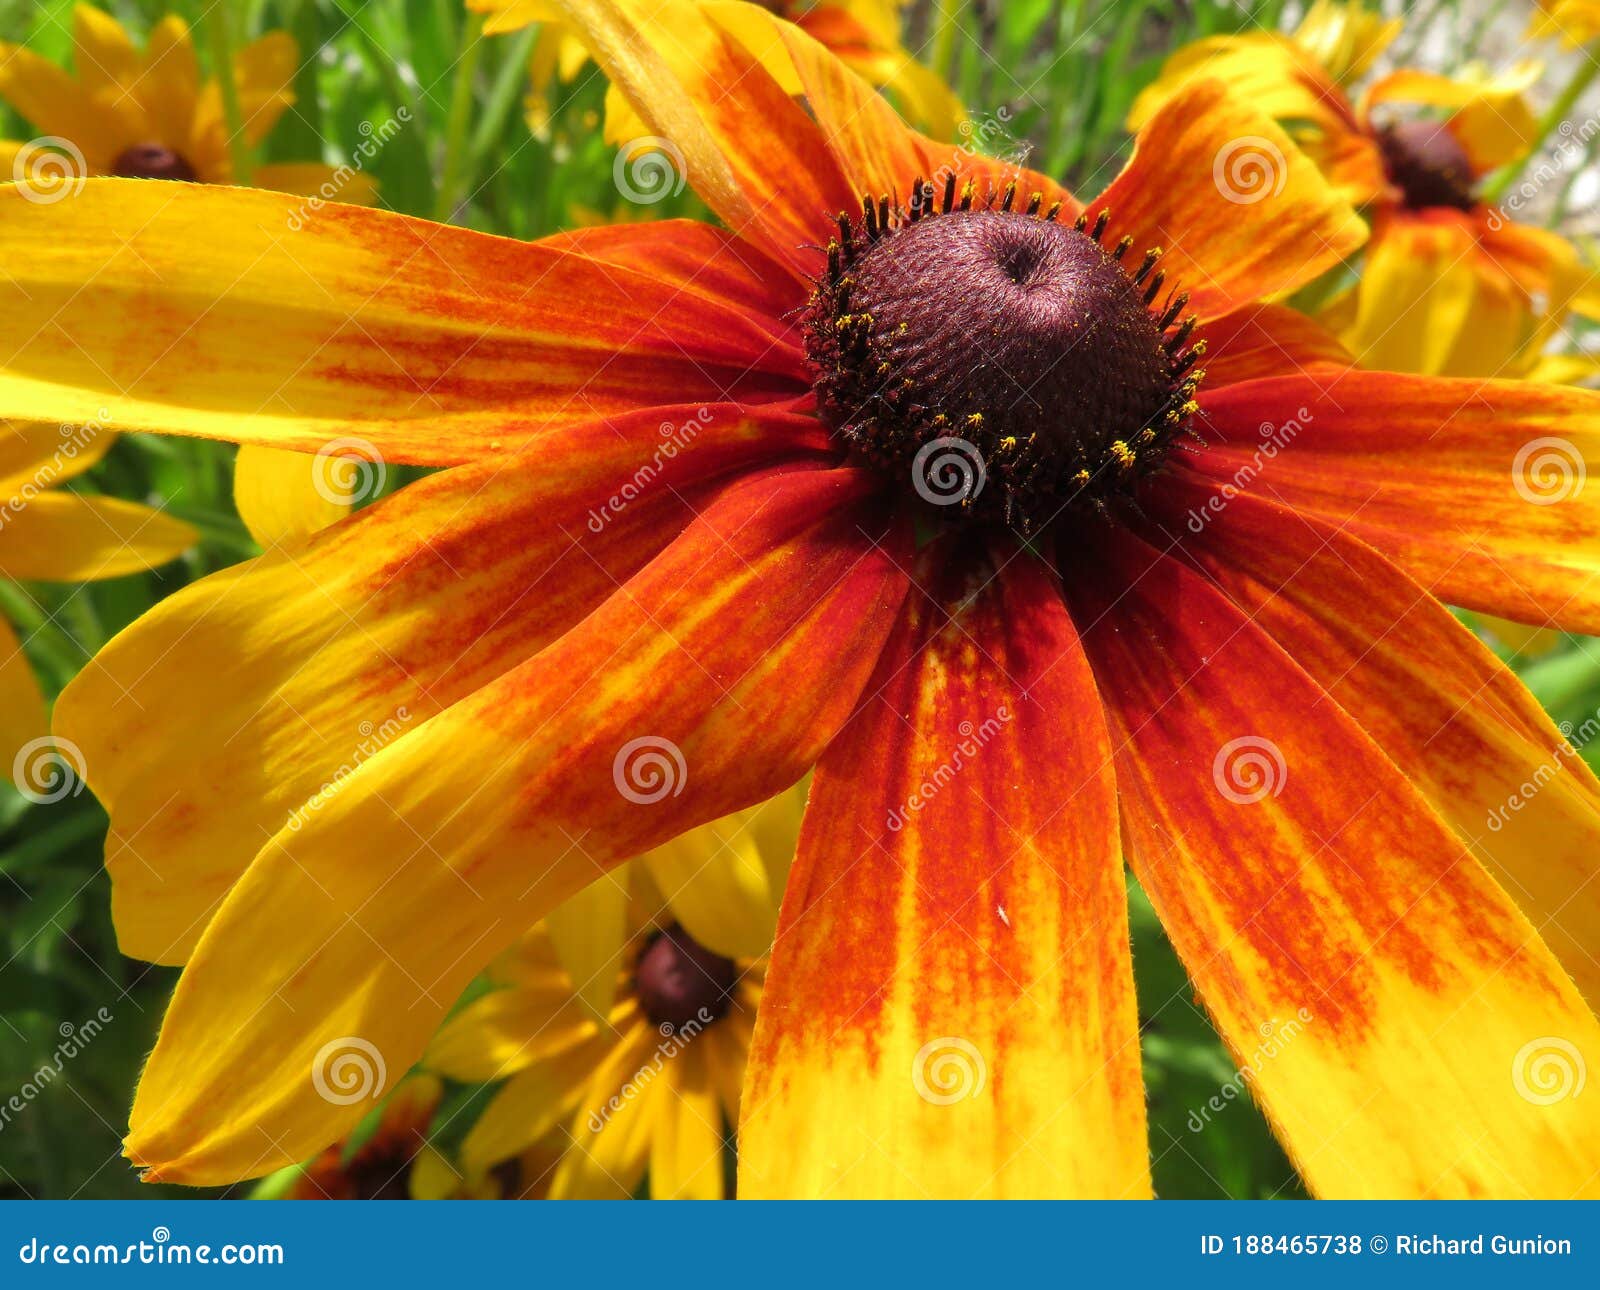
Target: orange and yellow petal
(1340,935)
(1239,212)
(317,179)
(35,456)
(1454,719)
(662,709)
(1475,488)
(1345,37)
(71,537)
(687,1146)
(22,711)
(293,669)
(58,107)
(284,495)
(1490,116)
(1268,340)
(949,1010)
(415,341)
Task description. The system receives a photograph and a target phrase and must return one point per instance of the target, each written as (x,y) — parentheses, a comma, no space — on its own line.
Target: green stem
(221,38)
(456,176)
(1551,120)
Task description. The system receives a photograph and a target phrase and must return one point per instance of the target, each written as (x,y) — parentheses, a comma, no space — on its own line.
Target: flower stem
(452,182)
(220,36)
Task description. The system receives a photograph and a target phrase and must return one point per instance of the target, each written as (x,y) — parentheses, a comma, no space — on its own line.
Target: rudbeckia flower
(382,1165)
(1451,285)
(712,508)
(651,1086)
(50,534)
(864,34)
(150,115)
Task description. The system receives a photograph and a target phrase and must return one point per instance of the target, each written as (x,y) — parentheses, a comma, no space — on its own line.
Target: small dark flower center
(1006,365)
(152,161)
(679,980)
(1427,164)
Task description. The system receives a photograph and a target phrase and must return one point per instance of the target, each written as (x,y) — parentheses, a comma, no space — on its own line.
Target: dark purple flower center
(1003,364)
(678,980)
(152,161)
(1427,164)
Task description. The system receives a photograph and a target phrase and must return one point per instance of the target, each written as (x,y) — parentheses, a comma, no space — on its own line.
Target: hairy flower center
(679,980)
(1427,164)
(152,161)
(1006,365)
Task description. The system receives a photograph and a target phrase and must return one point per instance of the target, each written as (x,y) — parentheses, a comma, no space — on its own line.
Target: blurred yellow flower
(1450,285)
(654,1086)
(863,34)
(150,115)
(1573,22)
(53,535)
